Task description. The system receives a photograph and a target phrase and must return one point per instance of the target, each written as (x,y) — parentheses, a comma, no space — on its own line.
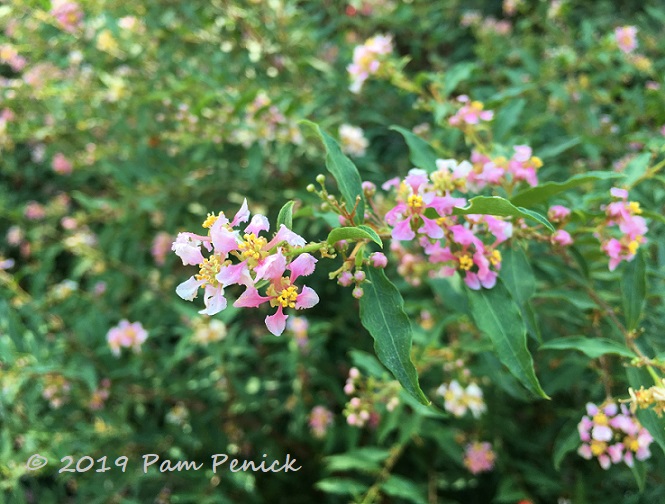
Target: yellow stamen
(209,269)
(631,443)
(288,297)
(415,202)
(633,246)
(536,162)
(600,419)
(465,262)
(252,249)
(634,207)
(210,220)
(495,258)
(598,447)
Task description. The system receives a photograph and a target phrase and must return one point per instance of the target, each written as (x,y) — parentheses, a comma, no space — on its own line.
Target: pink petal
(431,228)
(259,223)
(277,322)
(285,234)
(472,281)
(303,265)
(416,179)
(307,298)
(271,267)
(250,299)
(188,289)
(393,182)
(214,300)
(234,274)
(403,231)
(223,240)
(242,215)
(187,249)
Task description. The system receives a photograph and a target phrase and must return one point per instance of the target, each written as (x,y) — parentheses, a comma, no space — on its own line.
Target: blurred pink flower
(479,457)
(126,335)
(61,164)
(626,38)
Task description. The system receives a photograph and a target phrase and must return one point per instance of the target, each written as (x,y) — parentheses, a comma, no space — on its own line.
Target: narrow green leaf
(550,151)
(285,215)
(456,74)
(354,233)
(639,471)
(423,154)
(341,486)
(518,278)
(507,117)
(592,347)
(495,205)
(636,168)
(498,317)
(543,192)
(367,460)
(345,172)
(567,441)
(402,488)
(634,290)
(368,363)
(382,314)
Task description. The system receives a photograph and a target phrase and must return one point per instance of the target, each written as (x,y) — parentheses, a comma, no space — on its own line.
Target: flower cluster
(100,395)
(424,213)
(368,393)
(458,400)
(68,14)
(479,457)
(256,260)
(56,391)
(471,113)
(353,140)
(367,59)
(626,216)
(320,419)
(126,335)
(612,434)
(626,38)
(522,166)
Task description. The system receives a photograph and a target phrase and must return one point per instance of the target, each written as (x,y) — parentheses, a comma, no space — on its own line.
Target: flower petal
(271,267)
(250,299)
(234,274)
(307,298)
(303,265)
(259,223)
(188,289)
(242,215)
(277,322)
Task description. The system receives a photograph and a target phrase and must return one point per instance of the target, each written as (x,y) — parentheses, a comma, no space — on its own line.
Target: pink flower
(34,211)
(282,293)
(61,164)
(367,60)
(523,165)
(470,114)
(126,335)
(68,14)
(479,457)
(160,247)
(320,419)
(558,213)
(626,38)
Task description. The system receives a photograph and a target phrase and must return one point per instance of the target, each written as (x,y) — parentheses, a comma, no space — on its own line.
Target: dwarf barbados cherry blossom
(367,60)
(626,38)
(471,113)
(479,457)
(246,260)
(612,434)
(126,335)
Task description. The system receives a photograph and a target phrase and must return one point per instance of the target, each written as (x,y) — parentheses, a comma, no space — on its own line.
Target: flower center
(415,202)
(209,269)
(600,419)
(465,262)
(210,220)
(288,297)
(495,258)
(598,447)
(252,248)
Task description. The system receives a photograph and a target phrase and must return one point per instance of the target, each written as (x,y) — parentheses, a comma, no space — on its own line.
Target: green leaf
(518,278)
(507,118)
(550,151)
(636,168)
(423,154)
(345,172)
(456,74)
(367,460)
(382,314)
(639,471)
(567,441)
(592,347)
(355,234)
(495,205)
(634,290)
(368,363)
(341,486)
(498,317)
(543,192)
(402,488)
(285,215)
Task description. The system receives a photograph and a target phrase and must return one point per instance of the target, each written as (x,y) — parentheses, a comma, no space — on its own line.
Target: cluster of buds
(458,400)
(479,457)
(470,114)
(653,397)
(257,261)
(522,166)
(127,335)
(612,434)
(626,216)
(320,420)
(424,215)
(367,394)
(100,395)
(367,60)
(559,215)
(56,390)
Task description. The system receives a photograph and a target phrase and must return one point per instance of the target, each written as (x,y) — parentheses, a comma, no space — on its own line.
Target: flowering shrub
(442,244)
